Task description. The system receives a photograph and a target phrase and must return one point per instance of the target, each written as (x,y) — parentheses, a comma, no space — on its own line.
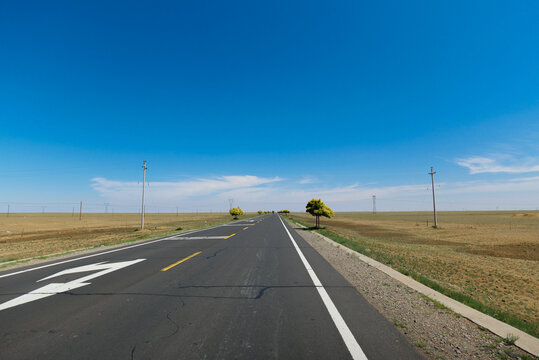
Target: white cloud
(307,180)
(172,192)
(253,193)
(478,165)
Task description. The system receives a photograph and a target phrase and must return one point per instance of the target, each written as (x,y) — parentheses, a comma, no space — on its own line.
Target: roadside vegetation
(317,208)
(236,212)
(486,260)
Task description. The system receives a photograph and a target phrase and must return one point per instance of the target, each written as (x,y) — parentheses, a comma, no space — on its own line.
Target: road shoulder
(437,331)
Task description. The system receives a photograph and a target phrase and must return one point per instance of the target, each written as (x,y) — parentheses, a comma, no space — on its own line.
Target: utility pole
(7,210)
(143,181)
(80,211)
(106,207)
(433,196)
(176,211)
(374,204)
(230,202)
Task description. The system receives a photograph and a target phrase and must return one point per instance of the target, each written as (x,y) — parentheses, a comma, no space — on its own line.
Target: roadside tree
(236,212)
(317,208)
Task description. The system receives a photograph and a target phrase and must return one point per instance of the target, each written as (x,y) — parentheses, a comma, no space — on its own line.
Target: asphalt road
(247,296)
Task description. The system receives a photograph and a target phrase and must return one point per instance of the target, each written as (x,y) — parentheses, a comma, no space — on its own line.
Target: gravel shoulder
(437,331)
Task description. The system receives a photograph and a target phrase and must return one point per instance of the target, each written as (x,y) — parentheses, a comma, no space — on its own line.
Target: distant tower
(230,202)
(374,204)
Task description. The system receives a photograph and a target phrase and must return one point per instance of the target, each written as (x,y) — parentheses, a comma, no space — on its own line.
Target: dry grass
(31,235)
(490,256)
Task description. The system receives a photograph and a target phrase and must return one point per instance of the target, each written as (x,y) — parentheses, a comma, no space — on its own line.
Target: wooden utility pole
(433,196)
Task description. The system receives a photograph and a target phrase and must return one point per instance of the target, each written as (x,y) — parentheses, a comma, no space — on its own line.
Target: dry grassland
(31,235)
(492,257)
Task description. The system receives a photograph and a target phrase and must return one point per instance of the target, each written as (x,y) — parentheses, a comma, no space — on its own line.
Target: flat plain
(28,235)
(490,256)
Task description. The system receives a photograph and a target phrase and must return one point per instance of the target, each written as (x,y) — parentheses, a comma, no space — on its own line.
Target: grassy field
(25,235)
(489,260)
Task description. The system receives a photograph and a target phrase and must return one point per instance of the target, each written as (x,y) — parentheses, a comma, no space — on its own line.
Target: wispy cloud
(253,193)
(478,165)
(307,180)
(166,191)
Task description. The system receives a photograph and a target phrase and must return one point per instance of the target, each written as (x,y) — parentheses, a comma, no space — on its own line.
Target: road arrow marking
(58,288)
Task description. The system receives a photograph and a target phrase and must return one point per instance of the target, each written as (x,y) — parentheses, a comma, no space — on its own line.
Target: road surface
(252,289)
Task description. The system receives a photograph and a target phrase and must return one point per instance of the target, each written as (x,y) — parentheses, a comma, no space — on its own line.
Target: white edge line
(104,253)
(349,339)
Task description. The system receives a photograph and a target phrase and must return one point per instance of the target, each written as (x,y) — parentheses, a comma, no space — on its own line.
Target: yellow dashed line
(245,228)
(179,262)
(229,236)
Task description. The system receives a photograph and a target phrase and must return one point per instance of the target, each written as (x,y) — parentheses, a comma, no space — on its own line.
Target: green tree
(316,207)
(236,212)
(260,212)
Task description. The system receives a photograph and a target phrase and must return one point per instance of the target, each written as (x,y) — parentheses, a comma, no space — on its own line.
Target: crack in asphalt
(175,324)
(215,253)
(263,289)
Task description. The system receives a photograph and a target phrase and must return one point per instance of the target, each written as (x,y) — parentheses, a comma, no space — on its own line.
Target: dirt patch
(526,215)
(370,230)
(527,251)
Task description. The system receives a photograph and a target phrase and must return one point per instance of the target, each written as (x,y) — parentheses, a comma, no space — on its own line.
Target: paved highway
(252,289)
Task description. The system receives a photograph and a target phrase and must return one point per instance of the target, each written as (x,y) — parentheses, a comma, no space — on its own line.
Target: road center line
(245,228)
(349,339)
(229,236)
(182,260)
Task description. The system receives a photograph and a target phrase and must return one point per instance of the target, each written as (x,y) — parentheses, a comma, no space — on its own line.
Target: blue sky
(269,103)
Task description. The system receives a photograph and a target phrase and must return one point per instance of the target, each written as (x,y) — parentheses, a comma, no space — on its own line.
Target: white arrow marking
(57,288)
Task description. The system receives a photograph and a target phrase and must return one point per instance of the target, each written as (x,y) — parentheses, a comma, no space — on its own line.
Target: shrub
(235,212)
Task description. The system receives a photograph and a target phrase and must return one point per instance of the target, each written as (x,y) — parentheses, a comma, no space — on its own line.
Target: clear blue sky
(270,103)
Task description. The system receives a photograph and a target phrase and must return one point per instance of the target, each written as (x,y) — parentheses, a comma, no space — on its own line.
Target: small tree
(236,212)
(317,208)
(260,212)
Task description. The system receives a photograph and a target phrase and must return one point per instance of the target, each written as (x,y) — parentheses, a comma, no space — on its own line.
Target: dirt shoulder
(438,332)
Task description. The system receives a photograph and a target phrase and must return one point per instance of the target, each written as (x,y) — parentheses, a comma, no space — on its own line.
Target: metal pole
(433,196)
(8,210)
(374,204)
(143,181)
(80,211)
